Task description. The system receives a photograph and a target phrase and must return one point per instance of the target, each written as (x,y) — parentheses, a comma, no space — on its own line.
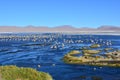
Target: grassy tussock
(16,73)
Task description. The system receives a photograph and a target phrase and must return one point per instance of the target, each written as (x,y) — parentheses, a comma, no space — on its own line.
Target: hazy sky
(78,13)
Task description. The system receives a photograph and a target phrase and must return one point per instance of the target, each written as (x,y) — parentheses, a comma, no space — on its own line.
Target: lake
(44,52)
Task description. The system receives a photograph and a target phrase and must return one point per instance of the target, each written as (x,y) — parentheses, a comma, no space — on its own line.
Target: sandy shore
(72,33)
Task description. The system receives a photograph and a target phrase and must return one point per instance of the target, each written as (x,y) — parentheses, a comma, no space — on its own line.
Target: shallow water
(36,50)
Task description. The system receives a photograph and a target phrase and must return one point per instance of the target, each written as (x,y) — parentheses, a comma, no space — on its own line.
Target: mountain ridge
(63,28)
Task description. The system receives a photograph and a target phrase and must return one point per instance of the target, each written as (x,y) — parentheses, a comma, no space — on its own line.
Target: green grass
(20,73)
(69,58)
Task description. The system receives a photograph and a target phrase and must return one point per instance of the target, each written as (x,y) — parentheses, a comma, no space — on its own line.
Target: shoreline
(67,33)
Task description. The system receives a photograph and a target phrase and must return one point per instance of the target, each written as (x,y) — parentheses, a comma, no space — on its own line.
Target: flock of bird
(57,40)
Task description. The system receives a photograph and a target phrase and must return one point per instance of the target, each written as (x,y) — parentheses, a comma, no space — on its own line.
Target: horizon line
(57,26)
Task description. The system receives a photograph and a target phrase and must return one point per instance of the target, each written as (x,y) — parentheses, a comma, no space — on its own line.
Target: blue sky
(78,13)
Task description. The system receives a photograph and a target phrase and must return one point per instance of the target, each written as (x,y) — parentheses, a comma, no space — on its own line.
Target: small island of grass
(16,73)
(88,57)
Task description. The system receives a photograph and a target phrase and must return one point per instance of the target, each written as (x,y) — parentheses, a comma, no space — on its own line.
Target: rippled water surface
(37,51)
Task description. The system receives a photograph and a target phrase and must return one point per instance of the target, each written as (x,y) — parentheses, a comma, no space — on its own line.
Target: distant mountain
(64,28)
(111,28)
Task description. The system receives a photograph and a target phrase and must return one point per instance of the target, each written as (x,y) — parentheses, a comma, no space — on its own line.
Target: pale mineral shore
(72,32)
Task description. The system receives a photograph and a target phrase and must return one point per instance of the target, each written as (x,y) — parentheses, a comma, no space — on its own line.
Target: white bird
(94,69)
(39,66)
